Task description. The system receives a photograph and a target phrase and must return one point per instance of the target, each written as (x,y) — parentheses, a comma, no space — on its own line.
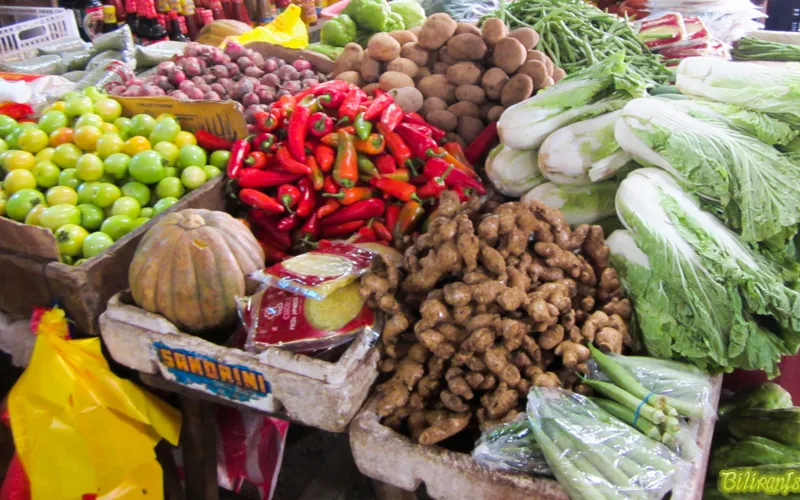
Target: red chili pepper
(317,177)
(307,197)
(325,156)
(331,99)
(399,189)
(330,206)
(261,201)
(377,106)
(361,210)
(254,179)
(16,111)
(211,142)
(273,254)
(310,229)
(416,119)
(239,151)
(396,145)
(330,140)
(402,174)
(288,195)
(296,132)
(264,142)
(381,231)
(456,151)
(345,171)
(352,195)
(392,116)
(329,186)
(290,164)
(257,160)
(391,214)
(349,107)
(334,85)
(434,187)
(436,167)
(285,104)
(464,193)
(289,222)
(348,128)
(265,228)
(320,124)
(459,164)
(481,145)
(366,235)
(341,230)
(385,164)
(421,145)
(410,214)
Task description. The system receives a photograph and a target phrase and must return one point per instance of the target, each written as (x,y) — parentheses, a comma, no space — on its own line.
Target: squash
(191,266)
(216,32)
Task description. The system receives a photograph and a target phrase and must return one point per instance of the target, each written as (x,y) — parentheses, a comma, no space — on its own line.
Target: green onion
(627,415)
(625,398)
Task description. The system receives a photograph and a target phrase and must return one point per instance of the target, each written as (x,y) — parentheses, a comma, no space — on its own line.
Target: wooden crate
(301,388)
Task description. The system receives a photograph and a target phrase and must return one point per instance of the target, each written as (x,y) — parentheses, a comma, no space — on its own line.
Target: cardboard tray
(387,456)
(301,388)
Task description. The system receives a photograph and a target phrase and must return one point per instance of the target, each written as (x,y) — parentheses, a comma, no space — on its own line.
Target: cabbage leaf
(587,204)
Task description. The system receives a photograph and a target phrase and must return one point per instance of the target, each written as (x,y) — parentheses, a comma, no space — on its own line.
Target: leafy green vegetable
(751,186)
(751,452)
(513,172)
(749,48)
(768,396)
(412,12)
(698,291)
(579,204)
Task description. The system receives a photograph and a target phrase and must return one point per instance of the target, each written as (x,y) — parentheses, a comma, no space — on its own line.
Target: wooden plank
(199,443)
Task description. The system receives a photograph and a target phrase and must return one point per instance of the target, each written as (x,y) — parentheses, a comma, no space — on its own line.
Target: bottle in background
(227,8)
(217,12)
(109,17)
(207,16)
(192,20)
(240,12)
(308,12)
(175,33)
(132,18)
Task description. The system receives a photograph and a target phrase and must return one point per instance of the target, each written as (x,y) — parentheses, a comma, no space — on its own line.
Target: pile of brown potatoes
(458,76)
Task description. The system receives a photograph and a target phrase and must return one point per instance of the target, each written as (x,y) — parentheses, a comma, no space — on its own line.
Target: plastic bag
(511,447)
(69,413)
(595,455)
(66,45)
(147,57)
(42,65)
(121,40)
(461,11)
(287,30)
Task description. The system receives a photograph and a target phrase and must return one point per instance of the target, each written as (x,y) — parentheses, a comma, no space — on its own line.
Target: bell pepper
(410,11)
(395,22)
(360,210)
(289,195)
(420,144)
(381,231)
(296,132)
(290,164)
(401,190)
(261,201)
(338,31)
(341,230)
(257,160)
(349,107)
(416,119)
(362,126)
(256,179)
(391,215)
(392,116)
(366,235)
(408,217)
(376,107)
(289,222)
(211,142)
(352,195)
(330,51)
(436,167)
(481,145)
(369,15)
(366,167)
(240,150)
(317,177)
(385,164)
(434,187)
(331,205)
(265,228)
(320,124)
(268,121)
(397,146)
(324,155)
(345,172)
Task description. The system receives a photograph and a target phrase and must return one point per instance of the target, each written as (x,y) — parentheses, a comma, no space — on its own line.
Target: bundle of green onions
(754,49)
(511,447)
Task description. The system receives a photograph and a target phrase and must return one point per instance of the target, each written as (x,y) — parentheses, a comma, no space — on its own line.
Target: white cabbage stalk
(513,172)
(583,152)
(586,204)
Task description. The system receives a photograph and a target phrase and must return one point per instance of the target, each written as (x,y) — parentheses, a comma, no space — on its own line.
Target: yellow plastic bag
(81,430)
(287,30)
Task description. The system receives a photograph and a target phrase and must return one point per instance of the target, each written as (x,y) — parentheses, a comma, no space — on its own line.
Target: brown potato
(541,56)
(440,68)
(536,70)
(353,77)
(403,65)
(518,88)
(415,30)
(485,108)
(422,73)
(395,80)
(528,37)
(437,86)
(433,104)
(465,108)
(493,82)
(370,68)
(549,81)
(462,28)
(415,53)
(464,73)
(494,114)
(469,128)
(443,119)
(403,36)
(509,54)
(466,47)
(408,98)
(493,30)
(436,30)
(383,47)
(558,74)
(444,56)
(350,59)
(471,93)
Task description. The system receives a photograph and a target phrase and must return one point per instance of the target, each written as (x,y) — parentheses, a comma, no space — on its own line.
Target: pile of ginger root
(489,302)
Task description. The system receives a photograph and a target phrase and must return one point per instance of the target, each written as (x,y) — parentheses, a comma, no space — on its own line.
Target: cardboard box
(31,273)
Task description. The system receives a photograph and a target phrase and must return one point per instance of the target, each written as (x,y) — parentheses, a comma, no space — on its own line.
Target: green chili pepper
(363,127)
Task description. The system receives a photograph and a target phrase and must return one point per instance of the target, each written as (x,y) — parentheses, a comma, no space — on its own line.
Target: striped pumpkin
(191,266)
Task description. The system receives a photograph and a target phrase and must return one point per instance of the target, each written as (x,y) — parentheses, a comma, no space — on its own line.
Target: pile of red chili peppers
(333,162)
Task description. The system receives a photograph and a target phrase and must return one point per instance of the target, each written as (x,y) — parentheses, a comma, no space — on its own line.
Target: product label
(322,266)
(234,382)
(109,14)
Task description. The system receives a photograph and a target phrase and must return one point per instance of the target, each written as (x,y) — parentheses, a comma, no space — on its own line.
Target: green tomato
(66,155)
(61,195)
(172,172)
(88,120)
(66,259)
(168,150)
(106,194)
(107,145)
(53,120)
(169,187)
(19,180)
(137,191)
(58,215)
(33,140)
(147,213)
(90,167)
(69,95)
(142,125)
(126,205)
(4,145)
(69,177)
(124,126)
(211,171)
(116,165)
(45,155)
(91,216)
(86,192)
(22,202)
(95,93)
(163,204)
(77,106)
(117,226)
(165,130)
(70,238)
(108,109)
(191,155)
(13,136)
(32,219)
(47,174)
(219,158)
(7,124)
(96,243)
(147,167)
(139,221)
(193,177)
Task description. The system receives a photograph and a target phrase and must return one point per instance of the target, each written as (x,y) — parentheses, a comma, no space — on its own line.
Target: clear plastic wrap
(42,65)
(461,11)
(76,60)
(595,455)
(511,447)
(318,273)
(65,45)
(147,57)
(121,40)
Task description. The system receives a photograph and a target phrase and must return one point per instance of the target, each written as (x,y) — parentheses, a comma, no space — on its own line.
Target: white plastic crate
(33,27)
